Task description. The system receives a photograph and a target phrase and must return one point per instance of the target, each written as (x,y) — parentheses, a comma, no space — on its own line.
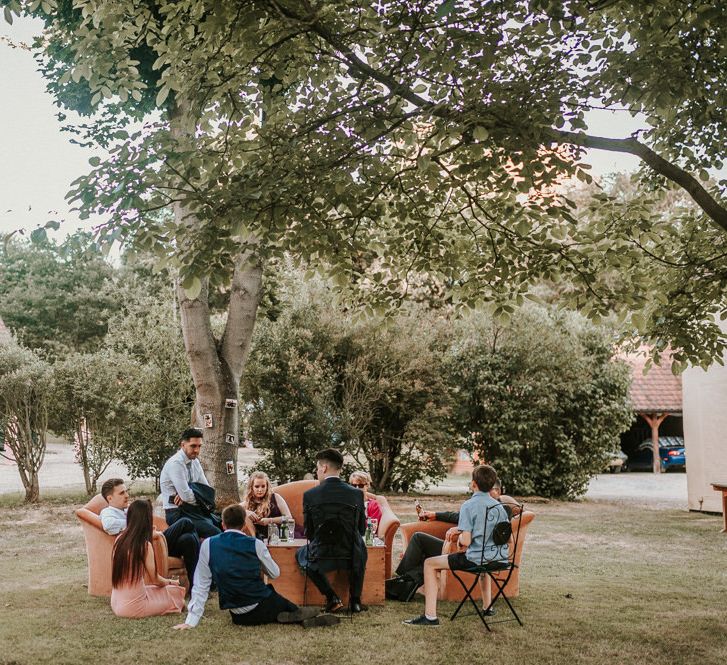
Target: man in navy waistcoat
(235,562)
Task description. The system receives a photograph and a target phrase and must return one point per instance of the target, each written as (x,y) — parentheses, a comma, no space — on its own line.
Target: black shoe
(489,612)
(321,620)
(421,621)
(298,616)
(333,604)
(358,607)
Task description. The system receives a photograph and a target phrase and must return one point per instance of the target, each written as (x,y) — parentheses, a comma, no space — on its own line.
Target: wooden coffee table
(291,582)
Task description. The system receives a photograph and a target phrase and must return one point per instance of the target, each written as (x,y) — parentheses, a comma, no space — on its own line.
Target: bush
(541,399)
(316,378)
(90,407)
(289,392)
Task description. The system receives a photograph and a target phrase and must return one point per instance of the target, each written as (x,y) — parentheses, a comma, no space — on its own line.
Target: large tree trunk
(216,371)
(217,365)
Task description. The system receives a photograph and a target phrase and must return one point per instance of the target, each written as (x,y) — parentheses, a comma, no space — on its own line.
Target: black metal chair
(334,542)
(503,534)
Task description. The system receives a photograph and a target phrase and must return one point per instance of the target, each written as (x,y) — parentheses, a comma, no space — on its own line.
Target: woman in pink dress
(133,556)
(362,481)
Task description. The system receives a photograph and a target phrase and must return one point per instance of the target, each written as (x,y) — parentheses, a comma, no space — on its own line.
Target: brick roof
(656,391)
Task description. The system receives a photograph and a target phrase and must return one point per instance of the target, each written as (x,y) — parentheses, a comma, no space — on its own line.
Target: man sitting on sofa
(182,541)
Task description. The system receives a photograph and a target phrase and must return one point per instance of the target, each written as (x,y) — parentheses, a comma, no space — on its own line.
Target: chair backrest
(497,536)
(336,530)
(293,495)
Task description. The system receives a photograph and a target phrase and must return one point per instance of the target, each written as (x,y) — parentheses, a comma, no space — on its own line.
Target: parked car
(671,455)
(616,461)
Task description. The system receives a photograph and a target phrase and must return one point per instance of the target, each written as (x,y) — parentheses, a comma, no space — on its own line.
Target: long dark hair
(130,547)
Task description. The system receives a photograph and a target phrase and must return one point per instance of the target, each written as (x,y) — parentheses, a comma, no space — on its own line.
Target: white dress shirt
(203,579)
(113,520)
(178,471)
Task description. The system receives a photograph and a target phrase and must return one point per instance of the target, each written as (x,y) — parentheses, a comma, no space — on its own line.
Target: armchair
(99,546)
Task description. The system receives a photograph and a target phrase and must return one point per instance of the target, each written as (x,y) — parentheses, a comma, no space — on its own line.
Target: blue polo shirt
(472,519)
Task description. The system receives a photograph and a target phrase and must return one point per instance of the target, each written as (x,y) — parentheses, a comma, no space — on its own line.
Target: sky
(38,162)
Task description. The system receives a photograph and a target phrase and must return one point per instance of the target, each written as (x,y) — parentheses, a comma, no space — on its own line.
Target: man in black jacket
(335,520)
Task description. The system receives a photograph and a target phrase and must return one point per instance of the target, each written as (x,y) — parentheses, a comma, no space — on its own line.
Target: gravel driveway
(667,490)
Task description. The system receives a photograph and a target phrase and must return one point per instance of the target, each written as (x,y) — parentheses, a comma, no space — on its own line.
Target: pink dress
(139,600)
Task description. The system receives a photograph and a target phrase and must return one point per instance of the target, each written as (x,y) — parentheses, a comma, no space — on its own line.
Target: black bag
(404,587)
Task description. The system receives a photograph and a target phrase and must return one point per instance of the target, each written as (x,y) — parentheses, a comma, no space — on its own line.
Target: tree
(26,388)
(56,297)
(540,398)
(89,407)
(348,135)
(373,388)
(289,390)
(156,392)
(396,400)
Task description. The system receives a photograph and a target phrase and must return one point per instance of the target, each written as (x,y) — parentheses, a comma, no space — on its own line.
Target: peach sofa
(99,546)
(388,524)
(449,587)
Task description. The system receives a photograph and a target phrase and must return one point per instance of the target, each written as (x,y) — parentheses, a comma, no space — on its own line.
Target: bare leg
(432,566)
(486,589)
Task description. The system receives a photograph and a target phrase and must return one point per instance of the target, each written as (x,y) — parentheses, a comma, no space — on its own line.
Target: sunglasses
(359,485)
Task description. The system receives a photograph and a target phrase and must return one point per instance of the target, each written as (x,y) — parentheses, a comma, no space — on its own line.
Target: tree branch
(689,183)
(241,311)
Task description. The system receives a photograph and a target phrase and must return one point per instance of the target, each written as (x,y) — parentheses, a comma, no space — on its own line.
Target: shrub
(540,398)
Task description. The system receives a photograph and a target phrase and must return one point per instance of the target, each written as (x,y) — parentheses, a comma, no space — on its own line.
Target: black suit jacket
(320,501)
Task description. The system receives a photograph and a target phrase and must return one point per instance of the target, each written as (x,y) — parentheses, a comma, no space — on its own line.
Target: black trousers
(266,612)
(182,541)
(319,578)
(204,526)
(420,547)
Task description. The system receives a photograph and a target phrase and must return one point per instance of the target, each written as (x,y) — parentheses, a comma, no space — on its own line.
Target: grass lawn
(601,583)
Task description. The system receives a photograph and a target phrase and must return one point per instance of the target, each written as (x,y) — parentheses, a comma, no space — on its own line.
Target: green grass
(601,583)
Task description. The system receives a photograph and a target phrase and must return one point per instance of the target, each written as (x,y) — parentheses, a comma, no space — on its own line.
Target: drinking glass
(291,529)
(273,538)
(374,526)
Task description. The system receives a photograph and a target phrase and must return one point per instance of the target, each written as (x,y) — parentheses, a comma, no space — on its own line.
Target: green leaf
(38,236)
(192,287)
(8,15)
(480,133)
(446,8)
(94,161)
(162,95)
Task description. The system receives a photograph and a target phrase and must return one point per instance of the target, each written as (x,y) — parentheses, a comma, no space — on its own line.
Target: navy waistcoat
(236,570)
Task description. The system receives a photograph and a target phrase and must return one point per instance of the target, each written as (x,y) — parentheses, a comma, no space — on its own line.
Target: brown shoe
(333,605)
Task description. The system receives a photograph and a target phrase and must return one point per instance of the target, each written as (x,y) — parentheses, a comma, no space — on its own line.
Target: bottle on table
(369,535)
(284,531)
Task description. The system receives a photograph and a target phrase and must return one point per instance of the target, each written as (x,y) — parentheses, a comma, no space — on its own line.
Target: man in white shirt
(235,561)
(182,541)
(178,472)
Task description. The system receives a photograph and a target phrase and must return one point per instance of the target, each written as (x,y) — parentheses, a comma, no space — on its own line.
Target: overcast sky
(38,162)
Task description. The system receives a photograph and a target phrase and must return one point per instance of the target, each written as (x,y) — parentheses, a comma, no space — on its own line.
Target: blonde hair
(363,475)
(261,507)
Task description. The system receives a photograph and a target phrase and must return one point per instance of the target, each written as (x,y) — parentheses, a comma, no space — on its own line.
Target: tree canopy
(391,139)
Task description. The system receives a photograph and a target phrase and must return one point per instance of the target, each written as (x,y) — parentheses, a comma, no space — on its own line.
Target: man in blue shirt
(476,536)
(235,562)
(178,472)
